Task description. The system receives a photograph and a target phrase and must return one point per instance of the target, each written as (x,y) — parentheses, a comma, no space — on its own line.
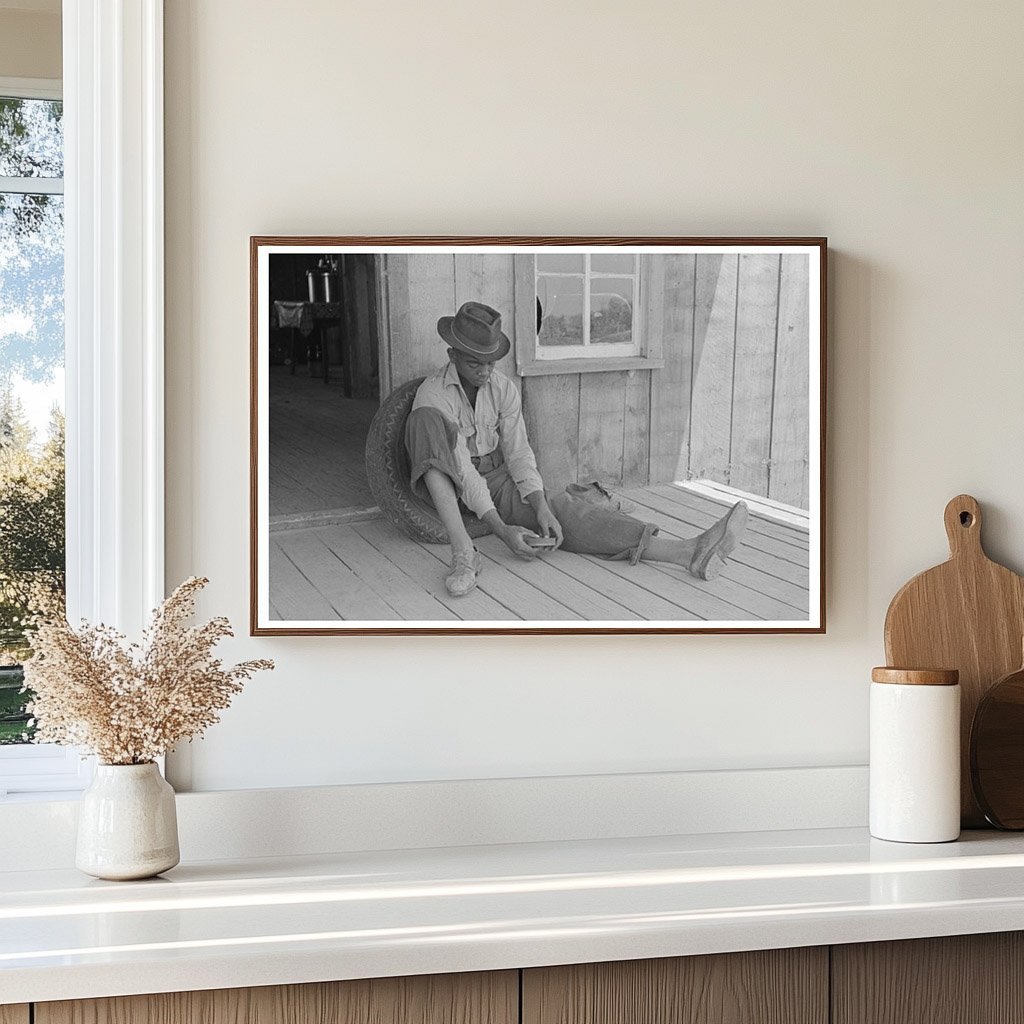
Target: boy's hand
(549,525)
(546,519)
(513,538)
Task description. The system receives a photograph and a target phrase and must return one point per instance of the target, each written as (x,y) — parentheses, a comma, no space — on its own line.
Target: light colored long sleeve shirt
(496,420)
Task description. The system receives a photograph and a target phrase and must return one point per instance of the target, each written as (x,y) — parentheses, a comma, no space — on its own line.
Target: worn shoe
(715,544)
(595,493)
(465,568)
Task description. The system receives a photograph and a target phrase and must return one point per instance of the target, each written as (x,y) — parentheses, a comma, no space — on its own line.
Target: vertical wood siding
(551,407)
(602,425)
(590,426)
(424,287)
(714,365)
(749,417)
(670,387)
(791,422)
(730,403)
(757,307)
(420,289)
(636,432)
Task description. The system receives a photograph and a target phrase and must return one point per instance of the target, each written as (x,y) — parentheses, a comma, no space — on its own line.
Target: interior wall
(894,129)
(30,44)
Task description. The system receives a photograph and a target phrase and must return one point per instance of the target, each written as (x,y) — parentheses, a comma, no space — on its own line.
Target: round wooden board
(997,752)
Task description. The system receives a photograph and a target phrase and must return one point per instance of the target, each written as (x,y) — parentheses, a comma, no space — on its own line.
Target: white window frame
(114,337)
(41,767)
(643,353)
(590,350)
(32,89)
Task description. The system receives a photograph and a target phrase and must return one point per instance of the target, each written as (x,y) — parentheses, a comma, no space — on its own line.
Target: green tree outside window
(31,352)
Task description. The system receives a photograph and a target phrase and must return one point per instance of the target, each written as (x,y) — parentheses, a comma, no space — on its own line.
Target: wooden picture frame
(685,375)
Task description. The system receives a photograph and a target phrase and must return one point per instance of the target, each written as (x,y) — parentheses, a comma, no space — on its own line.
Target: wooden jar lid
(916,676)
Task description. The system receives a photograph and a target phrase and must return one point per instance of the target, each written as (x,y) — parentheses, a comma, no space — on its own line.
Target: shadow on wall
(729,403)
(748,424)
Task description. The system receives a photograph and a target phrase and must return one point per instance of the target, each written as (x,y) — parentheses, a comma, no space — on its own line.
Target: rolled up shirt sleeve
(515,445)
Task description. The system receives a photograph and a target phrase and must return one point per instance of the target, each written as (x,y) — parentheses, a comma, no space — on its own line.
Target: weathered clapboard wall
(591,426)
(420,288)
(730,403)
(748,423)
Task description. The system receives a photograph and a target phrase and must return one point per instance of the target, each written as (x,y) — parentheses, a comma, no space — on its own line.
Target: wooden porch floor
(371,571)
(317,440)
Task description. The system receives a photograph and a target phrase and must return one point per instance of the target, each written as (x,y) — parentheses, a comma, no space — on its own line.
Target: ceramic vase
(915,755)
(127,825)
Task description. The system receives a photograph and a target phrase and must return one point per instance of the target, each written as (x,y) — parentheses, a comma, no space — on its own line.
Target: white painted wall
(29,41)
(894,129)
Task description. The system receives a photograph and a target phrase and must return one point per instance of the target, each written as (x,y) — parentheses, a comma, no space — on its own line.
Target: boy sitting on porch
(467,443)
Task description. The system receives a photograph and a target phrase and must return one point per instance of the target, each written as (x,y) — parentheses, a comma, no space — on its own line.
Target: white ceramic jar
(127,823)
(915,755)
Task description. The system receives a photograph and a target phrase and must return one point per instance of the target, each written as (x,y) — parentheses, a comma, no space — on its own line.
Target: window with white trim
(587,311)
(32,526)
(588,305)
(31,381)
(112,89)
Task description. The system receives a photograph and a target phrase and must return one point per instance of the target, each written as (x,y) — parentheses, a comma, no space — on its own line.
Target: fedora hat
(476,330)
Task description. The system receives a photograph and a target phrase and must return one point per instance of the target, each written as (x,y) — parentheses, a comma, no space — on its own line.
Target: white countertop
(225,924)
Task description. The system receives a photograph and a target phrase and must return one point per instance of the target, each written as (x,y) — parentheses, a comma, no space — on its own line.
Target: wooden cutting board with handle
(967,614)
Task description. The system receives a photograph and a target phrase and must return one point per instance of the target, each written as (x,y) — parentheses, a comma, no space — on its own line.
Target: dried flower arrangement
(129,704)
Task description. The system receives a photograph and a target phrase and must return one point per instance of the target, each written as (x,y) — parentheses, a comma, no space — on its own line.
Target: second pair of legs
(703,556)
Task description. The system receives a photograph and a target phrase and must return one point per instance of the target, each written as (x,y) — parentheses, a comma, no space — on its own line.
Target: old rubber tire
(387,470)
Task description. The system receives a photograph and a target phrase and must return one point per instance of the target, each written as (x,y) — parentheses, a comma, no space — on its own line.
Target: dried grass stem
(128,704)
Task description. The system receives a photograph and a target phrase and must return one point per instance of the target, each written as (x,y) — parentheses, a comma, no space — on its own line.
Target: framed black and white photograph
(537,435)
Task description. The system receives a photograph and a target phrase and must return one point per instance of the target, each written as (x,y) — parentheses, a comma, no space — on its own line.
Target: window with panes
(31,386)
(587,305)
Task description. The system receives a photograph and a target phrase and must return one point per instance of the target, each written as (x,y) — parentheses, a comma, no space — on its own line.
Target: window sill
(336,851)
(334,917)
(41,796)
(44,769)
(549,367)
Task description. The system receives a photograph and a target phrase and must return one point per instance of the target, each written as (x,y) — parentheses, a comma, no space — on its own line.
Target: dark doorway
(324,385)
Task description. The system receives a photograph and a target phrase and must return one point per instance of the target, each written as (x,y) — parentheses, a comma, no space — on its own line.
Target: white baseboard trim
(256,823)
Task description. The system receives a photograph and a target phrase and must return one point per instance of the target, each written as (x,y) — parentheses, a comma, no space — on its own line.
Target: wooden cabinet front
(967,979)
(491,998)
(777,986)
(962,979)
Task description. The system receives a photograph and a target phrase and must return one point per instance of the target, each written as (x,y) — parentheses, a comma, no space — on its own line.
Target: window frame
(646,351)
(38,767)
(589,349)
(32,89)
(112,89)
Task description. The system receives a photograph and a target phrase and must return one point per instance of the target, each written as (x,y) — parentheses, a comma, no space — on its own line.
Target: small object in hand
(544,543)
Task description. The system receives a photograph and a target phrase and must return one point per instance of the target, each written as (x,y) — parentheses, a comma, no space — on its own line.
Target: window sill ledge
(233,924)
(549,367)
